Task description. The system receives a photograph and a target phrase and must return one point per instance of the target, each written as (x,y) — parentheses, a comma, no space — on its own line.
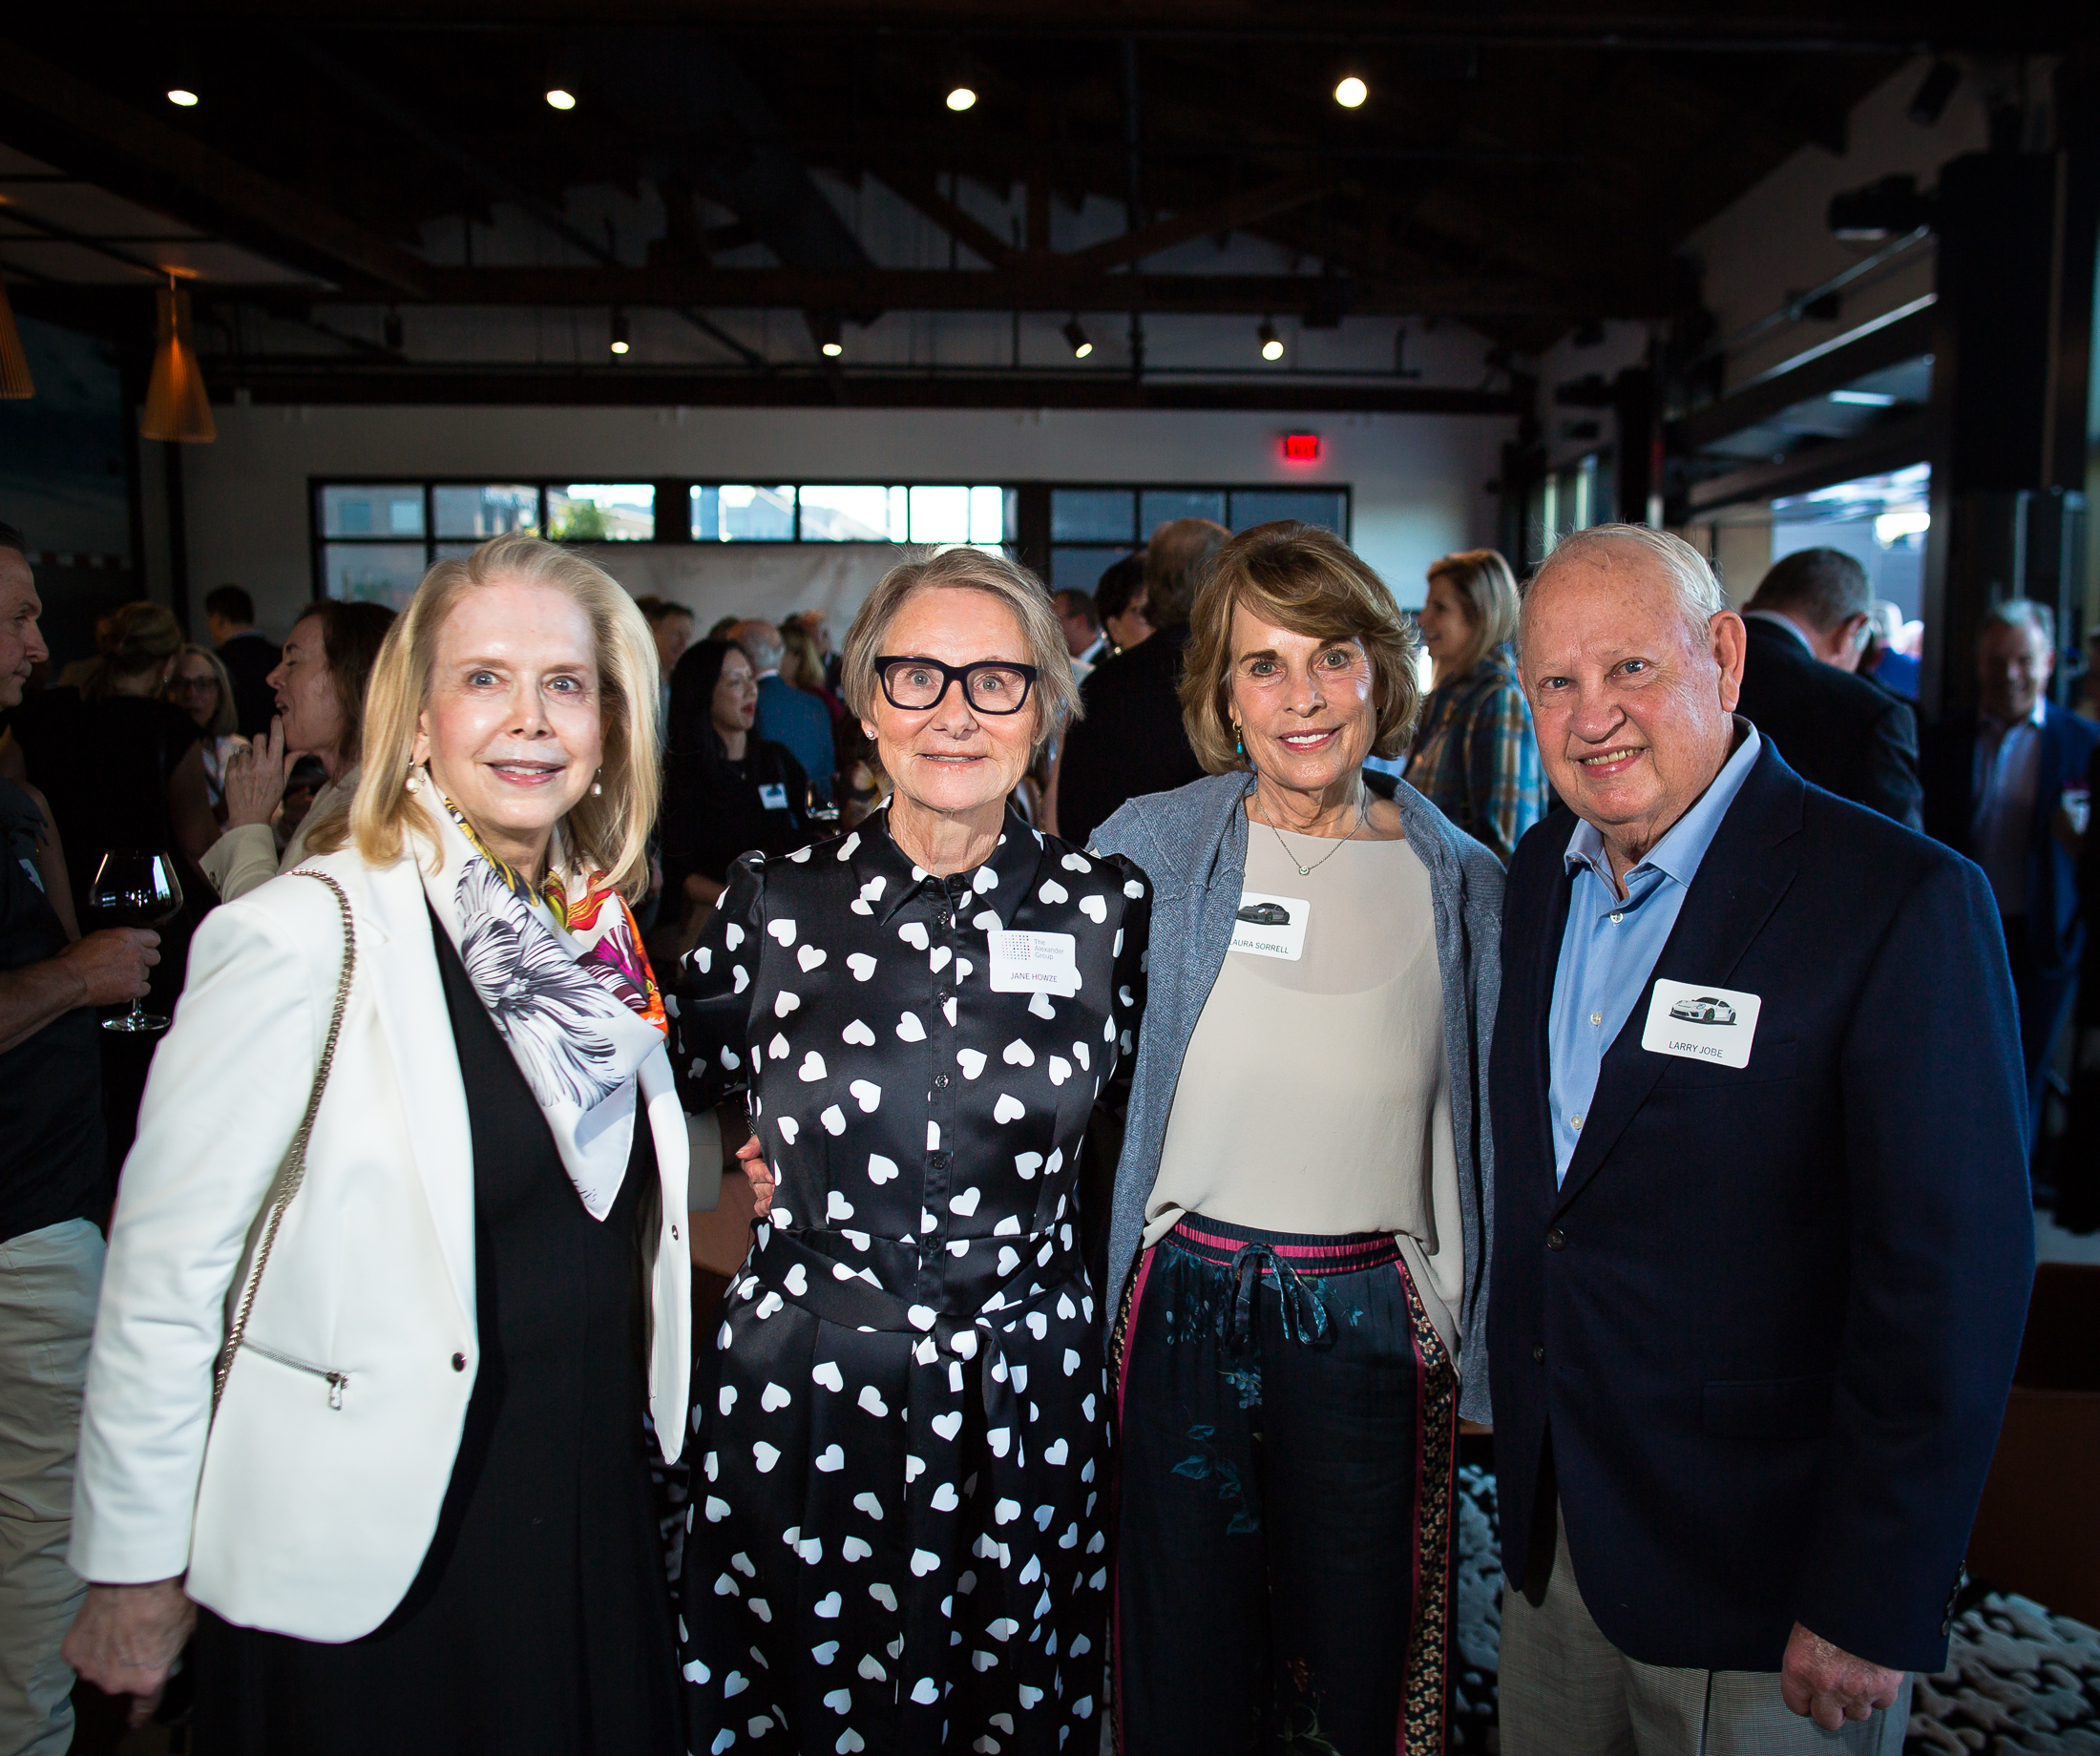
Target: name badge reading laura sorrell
(1033,963)
(1272,925)
(1701,1023)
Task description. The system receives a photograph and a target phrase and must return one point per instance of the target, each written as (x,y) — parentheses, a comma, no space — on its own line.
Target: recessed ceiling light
(559,97)
(962,97)
(1350,92)
(182,96)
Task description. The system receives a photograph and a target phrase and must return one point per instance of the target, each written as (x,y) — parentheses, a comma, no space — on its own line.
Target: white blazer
(308,1508)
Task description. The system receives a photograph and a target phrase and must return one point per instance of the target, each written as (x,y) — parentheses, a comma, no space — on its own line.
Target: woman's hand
(127,1637)
(751,1155)
(256,775)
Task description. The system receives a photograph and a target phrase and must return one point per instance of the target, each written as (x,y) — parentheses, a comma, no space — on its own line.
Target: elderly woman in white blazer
(418,1517)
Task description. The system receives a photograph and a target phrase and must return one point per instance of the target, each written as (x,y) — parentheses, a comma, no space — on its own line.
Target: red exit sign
(1301,447)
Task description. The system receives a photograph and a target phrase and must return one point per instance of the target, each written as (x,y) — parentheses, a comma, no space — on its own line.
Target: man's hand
(127,1637)
(1824,1683)
(751,1156)
(112,965)
(255,778)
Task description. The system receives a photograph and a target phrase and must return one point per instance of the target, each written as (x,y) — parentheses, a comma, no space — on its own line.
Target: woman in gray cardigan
(1300,1229)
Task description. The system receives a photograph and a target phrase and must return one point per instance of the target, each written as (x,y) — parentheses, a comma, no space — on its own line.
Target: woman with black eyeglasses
(900,1522)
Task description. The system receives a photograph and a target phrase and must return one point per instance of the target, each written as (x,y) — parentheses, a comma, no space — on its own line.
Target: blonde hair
(224,720)
(1056,696)
(1487,589)
(608,830)
(1310,581)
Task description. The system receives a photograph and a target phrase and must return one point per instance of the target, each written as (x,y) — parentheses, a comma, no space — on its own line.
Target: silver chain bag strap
(292,1172)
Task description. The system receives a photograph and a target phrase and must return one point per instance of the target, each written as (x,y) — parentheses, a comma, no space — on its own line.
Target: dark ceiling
(1523,170)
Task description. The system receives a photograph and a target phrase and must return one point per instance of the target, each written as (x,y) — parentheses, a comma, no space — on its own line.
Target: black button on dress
(897,1538)
(538,1624)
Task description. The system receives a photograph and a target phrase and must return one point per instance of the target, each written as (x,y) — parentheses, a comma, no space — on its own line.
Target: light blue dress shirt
(1609,948)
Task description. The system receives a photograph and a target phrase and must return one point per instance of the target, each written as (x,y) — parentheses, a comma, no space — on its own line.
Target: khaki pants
(1567,1691)
(49,1280)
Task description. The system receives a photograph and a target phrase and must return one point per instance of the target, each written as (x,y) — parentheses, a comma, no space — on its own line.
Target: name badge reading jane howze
(1034,962)
(1272,925)
(1701,1023)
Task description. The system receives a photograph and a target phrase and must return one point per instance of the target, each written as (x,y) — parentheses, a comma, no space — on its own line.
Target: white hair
(2025,612)
(1698,586)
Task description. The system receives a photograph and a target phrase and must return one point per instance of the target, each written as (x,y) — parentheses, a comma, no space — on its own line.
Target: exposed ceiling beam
(923,192)
(1228,214)
(1033,288)
(279,384)
(169,163)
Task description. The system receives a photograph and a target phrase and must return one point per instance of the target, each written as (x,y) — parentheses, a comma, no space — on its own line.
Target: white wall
(1419,480)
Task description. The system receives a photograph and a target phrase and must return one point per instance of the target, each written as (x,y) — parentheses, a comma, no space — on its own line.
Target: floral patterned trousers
(1288,1421)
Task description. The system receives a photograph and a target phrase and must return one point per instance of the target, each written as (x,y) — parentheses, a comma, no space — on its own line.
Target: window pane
(941,515)
(1093,515)
(1326,507)
(1080,569)
(371,512)
(602,512)
(748,514)
(485,512)
(1158,505)
(987,515)
(372,573)
(852,515)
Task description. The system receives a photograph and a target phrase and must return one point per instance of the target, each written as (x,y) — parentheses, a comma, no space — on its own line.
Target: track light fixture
(1350,91)
(183,97)
(560,97)
(623,338)
(825,332)
(962,97)
(1942,79)
(1271,343)
(390,330)
(1081,343)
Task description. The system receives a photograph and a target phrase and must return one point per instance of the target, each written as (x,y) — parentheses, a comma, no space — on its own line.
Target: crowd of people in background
(1187,733)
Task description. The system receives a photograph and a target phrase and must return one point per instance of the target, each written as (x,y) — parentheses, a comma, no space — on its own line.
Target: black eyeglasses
(991,686)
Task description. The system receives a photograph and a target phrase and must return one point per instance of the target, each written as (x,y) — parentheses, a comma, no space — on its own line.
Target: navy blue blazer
(1767,1328)
(2056,931)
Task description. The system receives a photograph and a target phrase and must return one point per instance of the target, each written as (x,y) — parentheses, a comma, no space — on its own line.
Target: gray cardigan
(1192,844)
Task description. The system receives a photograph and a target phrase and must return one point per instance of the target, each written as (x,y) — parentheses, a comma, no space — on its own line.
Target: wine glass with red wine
(135,889)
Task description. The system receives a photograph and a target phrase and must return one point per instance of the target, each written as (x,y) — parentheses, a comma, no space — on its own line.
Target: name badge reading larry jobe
(1701,1024)
(1034,962)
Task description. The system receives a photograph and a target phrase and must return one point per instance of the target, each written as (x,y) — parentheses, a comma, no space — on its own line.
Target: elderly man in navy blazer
(1763,1242)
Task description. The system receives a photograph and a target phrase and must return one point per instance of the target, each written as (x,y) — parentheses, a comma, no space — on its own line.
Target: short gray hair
(1698,586)
(1056,696)
(2022,613)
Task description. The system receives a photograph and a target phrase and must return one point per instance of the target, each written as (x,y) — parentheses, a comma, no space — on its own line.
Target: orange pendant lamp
(15,382)
(177,408)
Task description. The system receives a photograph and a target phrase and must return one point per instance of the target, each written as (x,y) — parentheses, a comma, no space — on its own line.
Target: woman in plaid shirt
(1475,756)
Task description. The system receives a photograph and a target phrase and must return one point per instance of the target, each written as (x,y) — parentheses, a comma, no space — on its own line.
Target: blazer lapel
(1747,869)
(410,994)
(1538,1000)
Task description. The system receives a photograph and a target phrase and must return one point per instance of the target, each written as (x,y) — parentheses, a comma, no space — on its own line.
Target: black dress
(713,811)
(900,1524)
(538,1624)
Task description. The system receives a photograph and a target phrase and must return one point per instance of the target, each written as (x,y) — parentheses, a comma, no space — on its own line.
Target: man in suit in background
(1763,1244)
(785,714)
(248,656)
(1806,627)
(1995,787)
(1130,739)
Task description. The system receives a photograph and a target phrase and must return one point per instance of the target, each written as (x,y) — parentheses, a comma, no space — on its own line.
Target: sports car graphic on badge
(1264,914)
(1704,1009)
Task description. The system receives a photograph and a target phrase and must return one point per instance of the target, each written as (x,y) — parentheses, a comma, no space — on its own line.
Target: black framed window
(1093,526)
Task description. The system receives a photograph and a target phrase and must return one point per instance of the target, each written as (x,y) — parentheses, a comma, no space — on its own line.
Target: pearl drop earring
(411,783)
(597,791)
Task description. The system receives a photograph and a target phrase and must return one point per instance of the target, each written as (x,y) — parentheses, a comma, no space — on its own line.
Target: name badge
(1272,925)
(774,798)
(1701,1024)
(1034,962)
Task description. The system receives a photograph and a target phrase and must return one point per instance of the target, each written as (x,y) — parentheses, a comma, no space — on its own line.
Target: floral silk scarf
(565,978)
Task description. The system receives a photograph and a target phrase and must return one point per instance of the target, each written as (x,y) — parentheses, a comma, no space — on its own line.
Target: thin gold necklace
(1307,871)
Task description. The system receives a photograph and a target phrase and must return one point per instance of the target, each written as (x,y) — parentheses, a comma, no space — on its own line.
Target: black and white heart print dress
(897,1538)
